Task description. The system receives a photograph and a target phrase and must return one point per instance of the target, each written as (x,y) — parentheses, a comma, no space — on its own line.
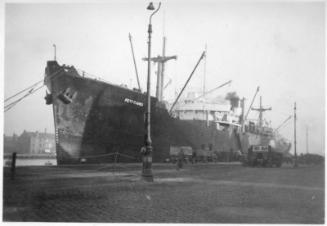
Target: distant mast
(295,154)
(204,70)
(160,72)
(261,110)
(55,52)
(250,107)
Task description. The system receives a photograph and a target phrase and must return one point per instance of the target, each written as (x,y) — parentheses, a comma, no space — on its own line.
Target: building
(10,143)
(30,143)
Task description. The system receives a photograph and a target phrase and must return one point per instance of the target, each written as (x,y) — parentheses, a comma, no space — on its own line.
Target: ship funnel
(234,99)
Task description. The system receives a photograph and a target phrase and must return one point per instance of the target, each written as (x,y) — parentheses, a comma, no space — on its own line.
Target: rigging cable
(31,89)
(9,106)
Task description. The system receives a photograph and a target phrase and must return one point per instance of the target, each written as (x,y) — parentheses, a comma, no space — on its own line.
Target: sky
(279,46)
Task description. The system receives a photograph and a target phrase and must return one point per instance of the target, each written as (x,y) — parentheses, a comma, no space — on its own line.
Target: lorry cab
(263,155)
(259,148)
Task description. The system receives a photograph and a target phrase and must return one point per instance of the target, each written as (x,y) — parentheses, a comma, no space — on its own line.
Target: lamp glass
(150,6)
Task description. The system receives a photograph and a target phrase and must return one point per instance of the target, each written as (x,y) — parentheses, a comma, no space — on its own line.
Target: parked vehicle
(265,156)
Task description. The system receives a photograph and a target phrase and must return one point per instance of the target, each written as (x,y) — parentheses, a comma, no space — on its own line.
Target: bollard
(13,165)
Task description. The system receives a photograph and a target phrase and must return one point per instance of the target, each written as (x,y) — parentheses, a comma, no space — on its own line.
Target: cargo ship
(98,122)
(95,119)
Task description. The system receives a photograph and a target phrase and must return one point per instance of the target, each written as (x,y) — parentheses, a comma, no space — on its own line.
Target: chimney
(234,100)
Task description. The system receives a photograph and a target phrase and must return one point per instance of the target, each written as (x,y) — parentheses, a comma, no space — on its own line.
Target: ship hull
(98,122)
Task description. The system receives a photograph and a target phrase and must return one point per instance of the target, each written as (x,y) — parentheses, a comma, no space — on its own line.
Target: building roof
(37,134)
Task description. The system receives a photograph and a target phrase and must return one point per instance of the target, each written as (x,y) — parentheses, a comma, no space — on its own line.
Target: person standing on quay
(180,160)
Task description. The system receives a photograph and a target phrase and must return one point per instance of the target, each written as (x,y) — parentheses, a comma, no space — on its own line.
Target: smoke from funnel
(234,99)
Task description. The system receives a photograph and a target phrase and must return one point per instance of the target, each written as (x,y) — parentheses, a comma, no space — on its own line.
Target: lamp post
(147,153)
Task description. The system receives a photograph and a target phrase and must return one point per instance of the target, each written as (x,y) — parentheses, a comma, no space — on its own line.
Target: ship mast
(161,60)
(204,71)
(160,73)
(242,114)
(247,113)
(261,110)
(55,51)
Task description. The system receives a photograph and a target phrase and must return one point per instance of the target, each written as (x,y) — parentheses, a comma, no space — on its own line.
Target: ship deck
(199,193)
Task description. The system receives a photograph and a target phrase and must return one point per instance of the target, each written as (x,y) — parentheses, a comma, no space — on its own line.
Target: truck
(176,151)
(262,155)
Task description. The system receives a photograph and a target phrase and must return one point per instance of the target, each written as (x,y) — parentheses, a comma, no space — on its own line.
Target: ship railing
(85,74)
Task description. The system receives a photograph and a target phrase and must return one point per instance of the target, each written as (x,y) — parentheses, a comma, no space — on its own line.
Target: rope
(115,161)
(31,91)
(23,90)
(115,153)
(127,156)
(9,106)
(96,156)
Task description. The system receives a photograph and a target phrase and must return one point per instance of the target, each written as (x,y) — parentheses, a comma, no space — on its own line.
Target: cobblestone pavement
(201,193)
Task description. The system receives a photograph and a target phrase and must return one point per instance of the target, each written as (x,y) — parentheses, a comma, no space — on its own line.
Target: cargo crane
(187,81)
(167,84)
(135,66)
(212,90)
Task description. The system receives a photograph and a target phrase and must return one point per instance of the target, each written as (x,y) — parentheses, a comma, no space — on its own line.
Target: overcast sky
(278,46)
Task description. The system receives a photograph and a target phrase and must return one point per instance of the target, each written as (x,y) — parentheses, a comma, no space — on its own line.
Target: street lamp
(147,153)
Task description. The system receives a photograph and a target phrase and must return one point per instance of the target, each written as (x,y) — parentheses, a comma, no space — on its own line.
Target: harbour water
(50,161)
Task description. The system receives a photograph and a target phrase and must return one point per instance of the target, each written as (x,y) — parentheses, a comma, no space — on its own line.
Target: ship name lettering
(133,102)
